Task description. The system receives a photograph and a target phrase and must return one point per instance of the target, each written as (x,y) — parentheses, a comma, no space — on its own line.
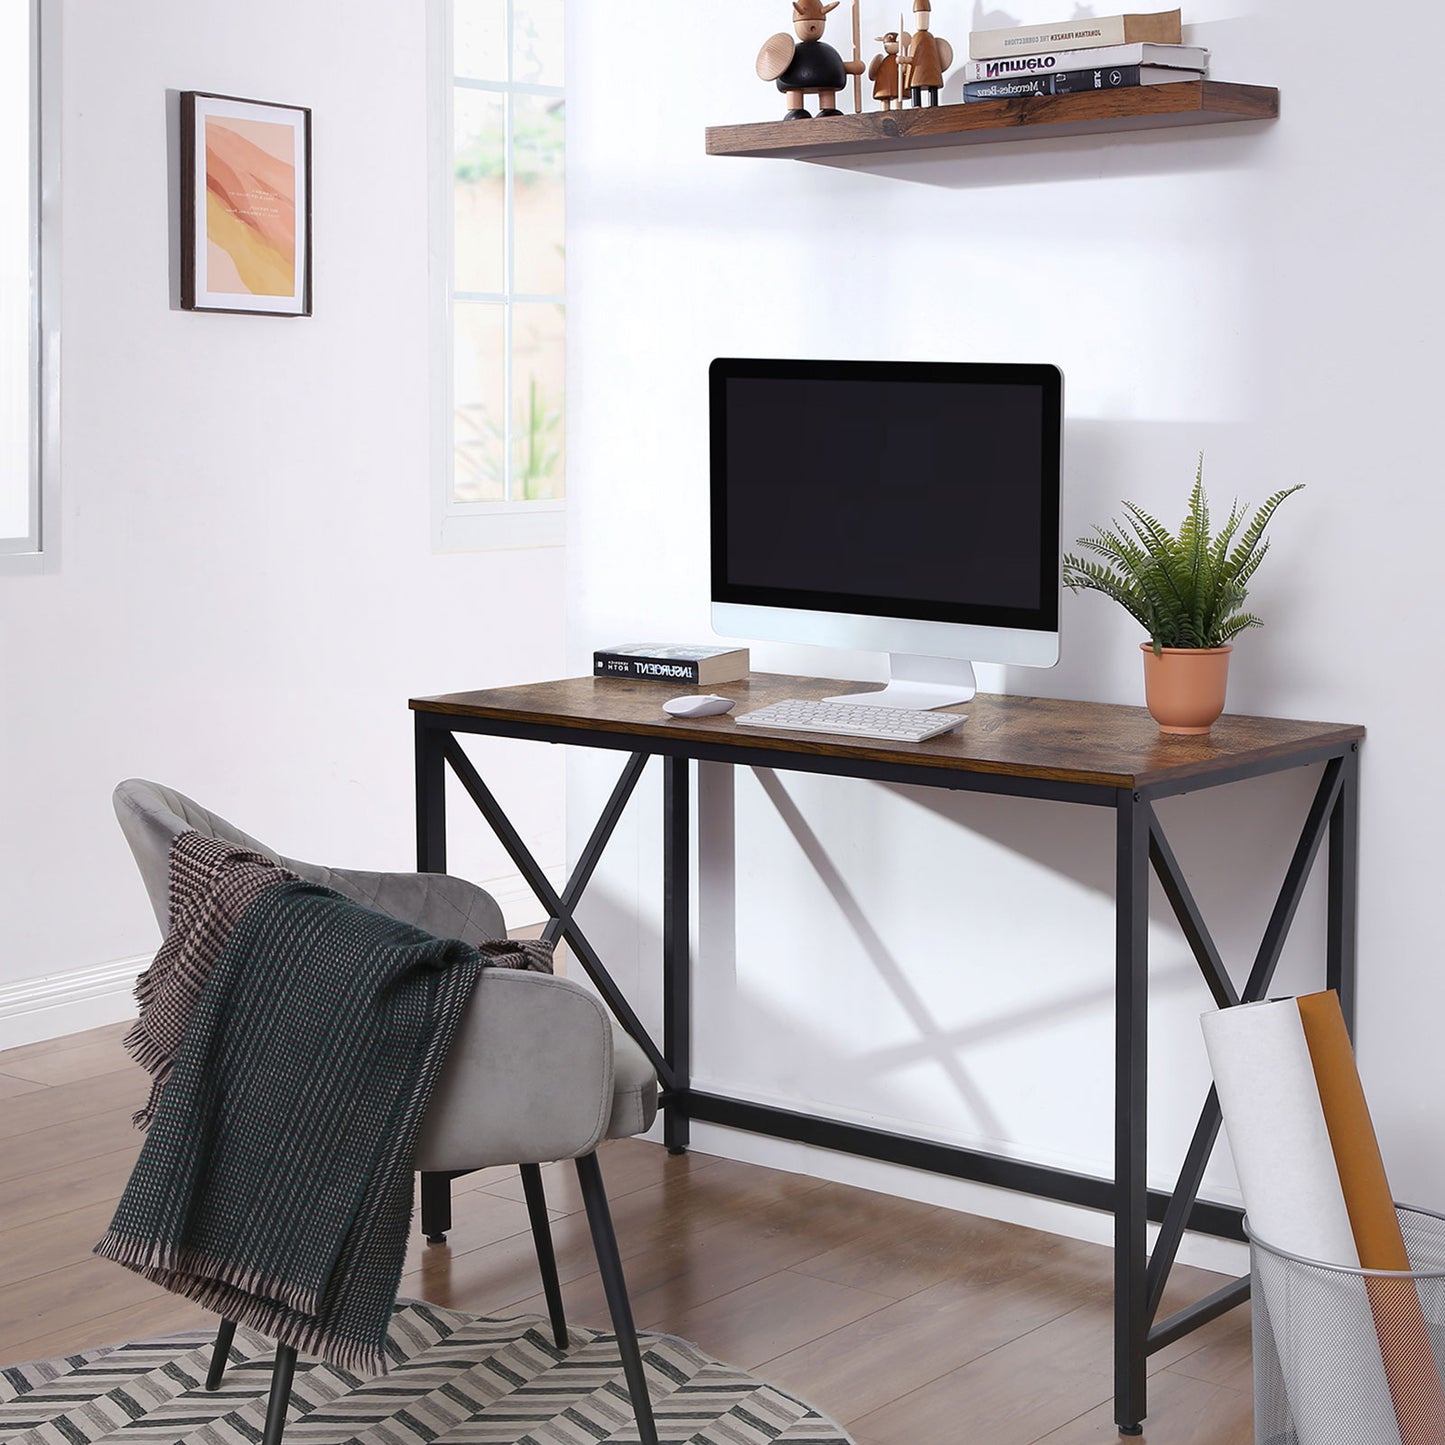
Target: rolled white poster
(1270,1101)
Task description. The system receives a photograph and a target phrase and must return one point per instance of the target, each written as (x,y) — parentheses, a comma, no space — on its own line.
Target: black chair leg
(219,1355)
(546,1259)
(609,1265)
(281,1373)
(436,1206)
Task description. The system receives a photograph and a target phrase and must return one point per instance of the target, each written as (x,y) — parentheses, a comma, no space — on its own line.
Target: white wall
(248,594)
(1264,292)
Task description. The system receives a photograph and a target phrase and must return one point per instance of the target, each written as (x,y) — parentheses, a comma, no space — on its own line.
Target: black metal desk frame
(1139,1275)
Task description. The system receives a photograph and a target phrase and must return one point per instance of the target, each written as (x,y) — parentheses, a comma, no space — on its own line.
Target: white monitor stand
(919,682)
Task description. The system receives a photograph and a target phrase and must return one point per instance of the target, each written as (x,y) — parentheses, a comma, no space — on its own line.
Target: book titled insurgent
(671,662)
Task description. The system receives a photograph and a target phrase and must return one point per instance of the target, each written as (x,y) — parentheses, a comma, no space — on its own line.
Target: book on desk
(674,663)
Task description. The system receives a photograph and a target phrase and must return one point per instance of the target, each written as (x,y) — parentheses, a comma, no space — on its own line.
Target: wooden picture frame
(245,205)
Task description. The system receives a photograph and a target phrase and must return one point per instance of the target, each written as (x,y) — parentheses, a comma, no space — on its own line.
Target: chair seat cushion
(538,1071)
(634,1088)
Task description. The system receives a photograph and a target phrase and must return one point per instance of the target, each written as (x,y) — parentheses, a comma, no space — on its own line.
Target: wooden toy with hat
(808,65)
(883,71)
(928,56)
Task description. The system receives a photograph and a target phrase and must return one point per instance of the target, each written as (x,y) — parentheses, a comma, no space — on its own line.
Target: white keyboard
(893,724)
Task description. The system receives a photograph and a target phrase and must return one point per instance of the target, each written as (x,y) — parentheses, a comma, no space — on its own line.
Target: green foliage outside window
(538,149)
(481,450)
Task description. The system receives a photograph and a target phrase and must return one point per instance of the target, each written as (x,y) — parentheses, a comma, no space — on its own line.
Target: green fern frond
(1236,625)
(1154,536)
(1186,590)
(1218,563)
(1248,569)
(1252,534)
(1081,575)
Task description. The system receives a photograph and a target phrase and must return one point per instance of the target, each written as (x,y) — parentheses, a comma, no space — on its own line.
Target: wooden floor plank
(773,1315)
(922,1338)
(71,1184)
(46,1244)
(12,1087)
(1182,1411)
(67,1066)
(67,1141)
(72,1103)
(161,1314)
(45,1048)
(69,1297)
(1010,1396)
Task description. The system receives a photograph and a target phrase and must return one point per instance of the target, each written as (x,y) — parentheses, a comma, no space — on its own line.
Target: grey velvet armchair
(538,1070)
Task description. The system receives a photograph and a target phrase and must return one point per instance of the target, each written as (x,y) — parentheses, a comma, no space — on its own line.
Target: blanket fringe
(162,1261)
(238,1298)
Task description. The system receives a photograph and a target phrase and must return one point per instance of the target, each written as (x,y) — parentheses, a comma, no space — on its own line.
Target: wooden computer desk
(1092,754)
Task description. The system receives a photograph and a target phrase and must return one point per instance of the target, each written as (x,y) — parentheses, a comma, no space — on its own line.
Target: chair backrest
(151,815)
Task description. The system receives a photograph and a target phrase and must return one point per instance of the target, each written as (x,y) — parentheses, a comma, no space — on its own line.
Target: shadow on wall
(1233,843)
(1055,160)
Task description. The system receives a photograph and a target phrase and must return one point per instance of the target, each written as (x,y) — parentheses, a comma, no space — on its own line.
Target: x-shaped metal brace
(1323,809)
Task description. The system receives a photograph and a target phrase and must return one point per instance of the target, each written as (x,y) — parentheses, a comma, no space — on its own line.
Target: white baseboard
(67,1003)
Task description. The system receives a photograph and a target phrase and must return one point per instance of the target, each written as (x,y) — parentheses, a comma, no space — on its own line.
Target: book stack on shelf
(1111,53)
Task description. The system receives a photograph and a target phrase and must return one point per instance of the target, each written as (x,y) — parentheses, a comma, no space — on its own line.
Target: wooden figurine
(807,66)
(929,56)
(883,72)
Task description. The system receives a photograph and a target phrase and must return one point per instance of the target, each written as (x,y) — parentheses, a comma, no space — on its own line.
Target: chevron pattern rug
(455,1380)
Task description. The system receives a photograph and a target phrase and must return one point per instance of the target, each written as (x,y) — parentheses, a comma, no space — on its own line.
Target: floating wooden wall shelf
(1143,107)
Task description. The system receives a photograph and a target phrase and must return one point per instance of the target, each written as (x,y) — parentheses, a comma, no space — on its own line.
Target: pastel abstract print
(250,207)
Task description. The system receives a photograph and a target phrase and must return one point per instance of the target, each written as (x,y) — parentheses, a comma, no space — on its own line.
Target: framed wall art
(245,206)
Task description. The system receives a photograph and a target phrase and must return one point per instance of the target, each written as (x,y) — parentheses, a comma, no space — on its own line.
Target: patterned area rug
(455,1380)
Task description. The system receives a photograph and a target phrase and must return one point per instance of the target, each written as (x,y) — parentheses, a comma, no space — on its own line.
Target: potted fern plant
(1187,590)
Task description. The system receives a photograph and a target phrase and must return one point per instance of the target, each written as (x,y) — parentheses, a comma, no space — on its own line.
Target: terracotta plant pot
(1184,686)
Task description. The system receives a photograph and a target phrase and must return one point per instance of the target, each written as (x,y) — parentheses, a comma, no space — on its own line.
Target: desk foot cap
(1131,1429)
(676,1149)
(436,1239)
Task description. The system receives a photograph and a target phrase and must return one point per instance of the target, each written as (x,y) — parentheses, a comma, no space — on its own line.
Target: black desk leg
(431,797)
(676,949)
(1131,1100)
(1344,887)
(431,857)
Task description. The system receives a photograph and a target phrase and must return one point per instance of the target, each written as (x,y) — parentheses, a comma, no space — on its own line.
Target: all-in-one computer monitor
(903,507)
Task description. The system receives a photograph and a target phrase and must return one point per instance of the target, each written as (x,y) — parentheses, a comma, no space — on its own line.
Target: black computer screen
(897,489)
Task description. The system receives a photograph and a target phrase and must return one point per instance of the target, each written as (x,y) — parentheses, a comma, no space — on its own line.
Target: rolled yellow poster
(1291,1185)
(1410,1367)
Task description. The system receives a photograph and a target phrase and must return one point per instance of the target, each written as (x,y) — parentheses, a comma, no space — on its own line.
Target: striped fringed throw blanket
(211,884)
(274,1185)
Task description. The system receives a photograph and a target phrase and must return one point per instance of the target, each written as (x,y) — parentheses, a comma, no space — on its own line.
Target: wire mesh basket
(1348,1356)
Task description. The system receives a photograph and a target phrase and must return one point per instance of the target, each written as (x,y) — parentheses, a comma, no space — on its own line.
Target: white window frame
(39,550)
(471,526)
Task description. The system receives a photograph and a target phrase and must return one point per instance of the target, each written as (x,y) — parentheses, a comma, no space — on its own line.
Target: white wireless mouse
(698,705)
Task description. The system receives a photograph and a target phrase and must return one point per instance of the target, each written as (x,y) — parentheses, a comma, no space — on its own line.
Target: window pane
(479,39)
(479,443)
(537,42)
(538,382)
(479,189)
(15,357)
(539,149)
